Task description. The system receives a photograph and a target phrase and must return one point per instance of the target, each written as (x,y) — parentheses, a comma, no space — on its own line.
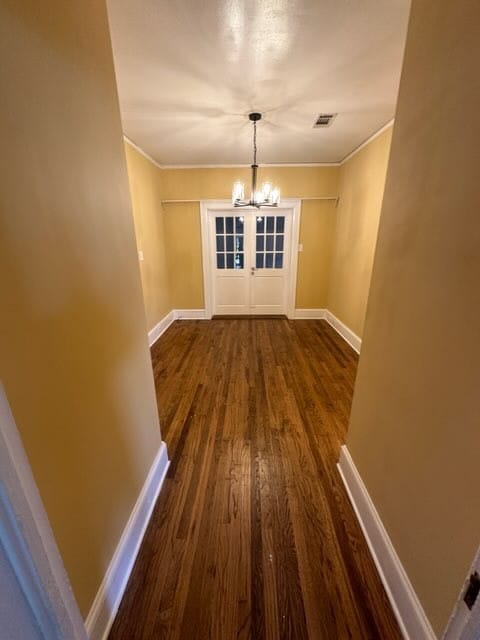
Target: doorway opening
(250,259)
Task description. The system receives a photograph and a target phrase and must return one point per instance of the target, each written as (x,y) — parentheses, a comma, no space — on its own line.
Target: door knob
(253,270)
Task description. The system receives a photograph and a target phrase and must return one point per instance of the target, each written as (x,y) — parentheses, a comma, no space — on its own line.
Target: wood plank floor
(253,535)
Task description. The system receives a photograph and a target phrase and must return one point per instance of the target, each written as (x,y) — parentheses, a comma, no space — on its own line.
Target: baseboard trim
(409,612)
(175,314)
(313,314)
(190,314)
(347,334)
(160,328)
(109,595)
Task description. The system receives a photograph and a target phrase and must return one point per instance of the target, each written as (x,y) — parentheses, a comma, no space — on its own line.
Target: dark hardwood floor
(253,535)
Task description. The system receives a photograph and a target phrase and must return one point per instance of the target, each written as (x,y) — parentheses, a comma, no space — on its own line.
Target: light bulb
(258,197)
(266,190)
(237,192)
(275,196)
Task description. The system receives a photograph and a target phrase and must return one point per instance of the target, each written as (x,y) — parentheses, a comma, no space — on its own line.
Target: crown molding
(286,165)
(141,151)
(367,141)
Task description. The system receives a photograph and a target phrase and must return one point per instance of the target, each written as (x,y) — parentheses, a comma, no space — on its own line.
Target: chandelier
(267,196)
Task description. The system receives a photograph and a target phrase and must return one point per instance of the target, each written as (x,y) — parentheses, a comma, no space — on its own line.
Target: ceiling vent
(324,120)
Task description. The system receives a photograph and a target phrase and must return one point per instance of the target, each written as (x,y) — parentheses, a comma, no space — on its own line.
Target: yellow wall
(335,266)
(317,227)
(182,225)
(294,182)
(145,188)
(73,352)
(184,250)
(362,180)
(415,430)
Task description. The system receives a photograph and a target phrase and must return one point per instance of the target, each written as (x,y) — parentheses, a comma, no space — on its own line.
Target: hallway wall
(414,433)
(73,351)
(361,186)
(149,218)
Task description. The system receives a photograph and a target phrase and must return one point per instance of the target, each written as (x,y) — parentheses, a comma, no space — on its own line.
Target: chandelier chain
(254,142)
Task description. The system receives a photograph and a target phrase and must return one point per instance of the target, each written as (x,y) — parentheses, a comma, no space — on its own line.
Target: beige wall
(184,251)
(73,352)
(317,227)
(145,189)
(362,180)
(294,182)
(182,225)
(335,266)
(414,433)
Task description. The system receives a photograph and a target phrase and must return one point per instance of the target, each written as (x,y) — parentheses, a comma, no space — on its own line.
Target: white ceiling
(189,71)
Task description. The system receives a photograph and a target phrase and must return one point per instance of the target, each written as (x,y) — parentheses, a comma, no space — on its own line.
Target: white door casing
(259,278)
(29,547)
(464,623)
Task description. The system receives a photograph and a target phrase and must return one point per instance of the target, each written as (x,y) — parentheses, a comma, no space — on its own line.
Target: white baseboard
(160,328)
(109,595)
(406,606)
(176,314)
(347,334)
(190,314)
(313,314)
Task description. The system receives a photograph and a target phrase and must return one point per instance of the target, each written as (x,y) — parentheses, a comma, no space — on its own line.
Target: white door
(250,253)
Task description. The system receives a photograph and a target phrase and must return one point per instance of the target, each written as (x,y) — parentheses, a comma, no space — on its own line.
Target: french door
(250,259)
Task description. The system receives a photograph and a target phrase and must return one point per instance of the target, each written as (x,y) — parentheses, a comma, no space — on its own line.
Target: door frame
(28,540)
(464,623)
(291,204)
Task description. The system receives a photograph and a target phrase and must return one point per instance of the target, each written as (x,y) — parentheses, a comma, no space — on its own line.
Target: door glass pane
(239,224)
(229,238)
(270,242)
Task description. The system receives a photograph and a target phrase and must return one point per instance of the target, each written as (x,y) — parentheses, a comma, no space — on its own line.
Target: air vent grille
(324,120)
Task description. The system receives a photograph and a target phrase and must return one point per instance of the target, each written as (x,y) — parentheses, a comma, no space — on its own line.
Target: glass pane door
(270,242)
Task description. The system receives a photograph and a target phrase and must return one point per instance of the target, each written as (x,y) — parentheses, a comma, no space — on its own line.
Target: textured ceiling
(189,71)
